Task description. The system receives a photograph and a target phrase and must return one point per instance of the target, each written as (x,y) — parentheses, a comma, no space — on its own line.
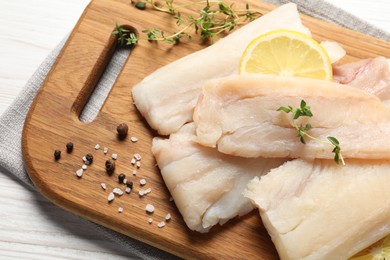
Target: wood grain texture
(53,121)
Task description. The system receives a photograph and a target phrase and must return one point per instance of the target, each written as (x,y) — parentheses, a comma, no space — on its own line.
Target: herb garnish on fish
(214,18)
(302,111)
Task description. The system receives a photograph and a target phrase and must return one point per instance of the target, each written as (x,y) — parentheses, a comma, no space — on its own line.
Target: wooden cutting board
(53,121)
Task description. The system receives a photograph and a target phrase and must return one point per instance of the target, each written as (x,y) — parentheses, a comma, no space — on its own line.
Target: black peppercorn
(110,167)
(129,184)
(57,154)
(122,130)
(121,178)
(88,158)
(69,147)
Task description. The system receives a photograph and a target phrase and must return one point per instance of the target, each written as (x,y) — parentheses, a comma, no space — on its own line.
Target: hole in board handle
(116,56)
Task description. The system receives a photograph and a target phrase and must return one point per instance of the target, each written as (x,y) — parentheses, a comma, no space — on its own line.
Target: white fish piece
(166,98)
(319,210)
(371,75)
(334,50)
(206,185)
(245,122)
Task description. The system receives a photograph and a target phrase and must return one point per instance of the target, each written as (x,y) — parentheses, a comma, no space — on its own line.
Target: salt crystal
(128,190)
(124,181)
(84,159)
(138,164)
(142,182)
(120,209)
(84,167)
(97,147)
(144,192)
(134,139)
(134,172)
(105,150)
(133,161)
(150,220)
(111,197)
(137,156)
(149,208)
(104,186)
(114,156)
(79,173)
(168,217)
(118,191)
(161,224)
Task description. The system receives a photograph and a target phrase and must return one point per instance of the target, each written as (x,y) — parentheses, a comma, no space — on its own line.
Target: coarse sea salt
(105,150)
(84,167)
(133,161)
(134,139)
(142,182)
(104,186)
(137,156)
(134,172)
(114,156)
(161,224)
(120,209)
(150,220)
(97,147)
(128,190)
(118,191)
(138,164)
(168,217)
(111,197)
(149,208)
(144,192)
(79,173)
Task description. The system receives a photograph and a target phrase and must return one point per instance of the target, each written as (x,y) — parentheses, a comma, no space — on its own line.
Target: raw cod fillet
(371,75)
(206,185)
(167,97)
(245,121)
(318,210)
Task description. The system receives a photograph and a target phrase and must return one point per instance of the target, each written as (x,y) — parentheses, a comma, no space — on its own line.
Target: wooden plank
(53,121)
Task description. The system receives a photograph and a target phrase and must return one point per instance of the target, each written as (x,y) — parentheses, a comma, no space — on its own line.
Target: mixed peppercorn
(88,159)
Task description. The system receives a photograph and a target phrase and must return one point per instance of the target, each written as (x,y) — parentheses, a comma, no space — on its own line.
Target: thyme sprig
(304,111)
(214,18)
(124,36)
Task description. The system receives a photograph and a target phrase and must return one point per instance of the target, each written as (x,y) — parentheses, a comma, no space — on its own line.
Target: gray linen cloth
(12,120)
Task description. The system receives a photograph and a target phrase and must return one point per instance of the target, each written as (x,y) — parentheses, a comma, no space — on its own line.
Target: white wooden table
(30,226)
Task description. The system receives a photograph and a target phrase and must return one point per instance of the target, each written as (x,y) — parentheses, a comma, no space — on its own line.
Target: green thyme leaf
(140,5)
(333,140)
(285,109)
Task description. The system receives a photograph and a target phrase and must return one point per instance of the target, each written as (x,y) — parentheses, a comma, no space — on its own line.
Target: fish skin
(206,185)
(166,98)
(319,210)
(245,121)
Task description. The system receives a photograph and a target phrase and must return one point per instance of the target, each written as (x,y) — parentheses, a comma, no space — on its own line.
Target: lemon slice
(286,53)
(378,251)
